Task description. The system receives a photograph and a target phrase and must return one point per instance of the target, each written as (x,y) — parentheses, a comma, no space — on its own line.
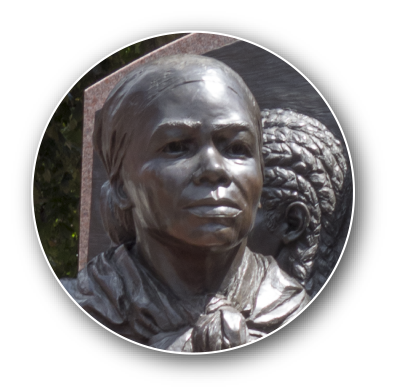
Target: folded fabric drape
(121,293)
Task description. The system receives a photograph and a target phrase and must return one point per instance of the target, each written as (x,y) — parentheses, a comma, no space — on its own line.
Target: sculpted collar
(122,294)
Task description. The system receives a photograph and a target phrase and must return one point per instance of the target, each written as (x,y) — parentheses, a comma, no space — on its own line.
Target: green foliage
(57,175)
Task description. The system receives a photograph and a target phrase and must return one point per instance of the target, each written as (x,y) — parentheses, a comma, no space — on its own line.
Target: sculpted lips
(214,208)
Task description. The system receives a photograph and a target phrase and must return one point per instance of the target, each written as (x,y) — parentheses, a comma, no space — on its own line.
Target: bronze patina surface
(181,141)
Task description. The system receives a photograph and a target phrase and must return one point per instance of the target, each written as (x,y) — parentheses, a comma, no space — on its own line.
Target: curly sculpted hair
(305,162)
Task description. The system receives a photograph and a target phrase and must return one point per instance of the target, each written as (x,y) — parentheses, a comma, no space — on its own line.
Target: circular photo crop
(193,193)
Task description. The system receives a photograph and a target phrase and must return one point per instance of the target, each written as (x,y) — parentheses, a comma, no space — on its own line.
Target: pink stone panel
(94,99)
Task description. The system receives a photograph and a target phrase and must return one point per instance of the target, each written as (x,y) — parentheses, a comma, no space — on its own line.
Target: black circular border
(320,320)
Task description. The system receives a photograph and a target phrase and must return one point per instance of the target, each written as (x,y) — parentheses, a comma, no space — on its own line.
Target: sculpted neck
(189,270)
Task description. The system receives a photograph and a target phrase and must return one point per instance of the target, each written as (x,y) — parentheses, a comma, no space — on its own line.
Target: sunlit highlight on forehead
(215,88)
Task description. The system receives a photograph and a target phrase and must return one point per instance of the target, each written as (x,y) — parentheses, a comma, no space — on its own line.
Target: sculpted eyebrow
(173,130)
(179,125)
(241,126)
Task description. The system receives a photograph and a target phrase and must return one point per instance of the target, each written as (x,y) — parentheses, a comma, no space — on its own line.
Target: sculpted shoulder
(99,289)
(280,298)
(114,290)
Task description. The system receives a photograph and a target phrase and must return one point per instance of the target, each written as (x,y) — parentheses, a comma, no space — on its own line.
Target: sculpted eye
(176,147)
(238,150)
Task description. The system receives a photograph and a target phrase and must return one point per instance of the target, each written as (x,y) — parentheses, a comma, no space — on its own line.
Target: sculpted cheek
(250,184)
(256,181)
(155,196)
(146,201)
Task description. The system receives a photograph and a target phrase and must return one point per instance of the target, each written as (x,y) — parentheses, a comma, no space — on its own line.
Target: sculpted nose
(211,168)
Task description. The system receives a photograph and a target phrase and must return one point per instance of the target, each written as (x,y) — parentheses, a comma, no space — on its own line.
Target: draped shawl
(121,293)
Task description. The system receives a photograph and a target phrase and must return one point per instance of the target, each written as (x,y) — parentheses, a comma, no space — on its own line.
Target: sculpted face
(193,171)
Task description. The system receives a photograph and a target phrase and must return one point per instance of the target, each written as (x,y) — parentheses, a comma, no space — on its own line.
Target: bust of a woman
(181,142)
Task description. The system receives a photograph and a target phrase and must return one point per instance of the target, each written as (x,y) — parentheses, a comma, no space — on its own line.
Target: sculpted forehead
(198,107)
(191,92)
(210,102)
(161,80)
(129,108)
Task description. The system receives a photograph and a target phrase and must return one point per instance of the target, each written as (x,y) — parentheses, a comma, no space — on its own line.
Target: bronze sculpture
(180,139)
(306,197)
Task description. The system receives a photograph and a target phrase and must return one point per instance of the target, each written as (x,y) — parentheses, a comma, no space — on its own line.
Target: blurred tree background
(57,176)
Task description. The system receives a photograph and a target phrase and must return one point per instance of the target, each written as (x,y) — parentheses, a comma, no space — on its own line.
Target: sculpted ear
(121,198)
(297,219)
